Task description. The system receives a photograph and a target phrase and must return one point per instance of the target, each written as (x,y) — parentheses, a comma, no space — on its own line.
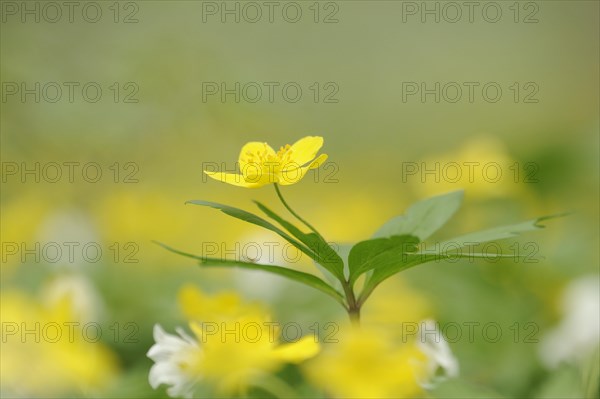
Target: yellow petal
(261,173)
(195,305)
(234,179)
(292,174)
(253,152)
(305,149)
(298,351)
(318,162)
(261,178)
(190,298)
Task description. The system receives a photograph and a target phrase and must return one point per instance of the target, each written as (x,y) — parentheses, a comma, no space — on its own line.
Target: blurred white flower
(267,250)
(578,333)
(441,363)
(174,357)
(226,363)
(68,241)
(86,303)
(69,236)
(259,285)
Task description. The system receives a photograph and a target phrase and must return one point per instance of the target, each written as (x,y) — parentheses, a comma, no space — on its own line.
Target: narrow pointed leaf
(324,254)
(256,220)
(301,277)
(493,234)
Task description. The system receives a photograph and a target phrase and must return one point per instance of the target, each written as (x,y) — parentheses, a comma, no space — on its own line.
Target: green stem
(364,295)
(353,306)
(354,316)
(310,226)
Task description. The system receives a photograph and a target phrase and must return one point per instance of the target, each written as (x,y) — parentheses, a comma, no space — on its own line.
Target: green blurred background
(166,136)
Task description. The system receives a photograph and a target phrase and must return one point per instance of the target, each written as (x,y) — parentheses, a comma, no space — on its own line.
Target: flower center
(282,157)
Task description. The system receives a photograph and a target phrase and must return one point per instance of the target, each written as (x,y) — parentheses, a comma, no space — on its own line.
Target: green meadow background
(151,152)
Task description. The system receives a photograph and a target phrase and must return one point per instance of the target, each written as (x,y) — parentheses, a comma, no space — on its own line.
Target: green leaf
(378,253)
(423,218)
(493,234)
(324,254)
(343,250)
(394,262)
(301,277)
(254,219)
(398,261)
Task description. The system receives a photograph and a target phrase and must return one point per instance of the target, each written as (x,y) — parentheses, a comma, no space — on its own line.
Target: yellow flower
(232,347)
(223,306)
(483,167)
(48,352)
(244,350)
(260,165)
(382,310)
(364,364)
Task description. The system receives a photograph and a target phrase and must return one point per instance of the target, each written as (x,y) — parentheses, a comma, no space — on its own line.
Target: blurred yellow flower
(396,353)
(48,352)
(261,165)
(386,308)
(363,364)
(482,166)
(224,306)
(233,346)
(21,217)
(485,169)
(244,350)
